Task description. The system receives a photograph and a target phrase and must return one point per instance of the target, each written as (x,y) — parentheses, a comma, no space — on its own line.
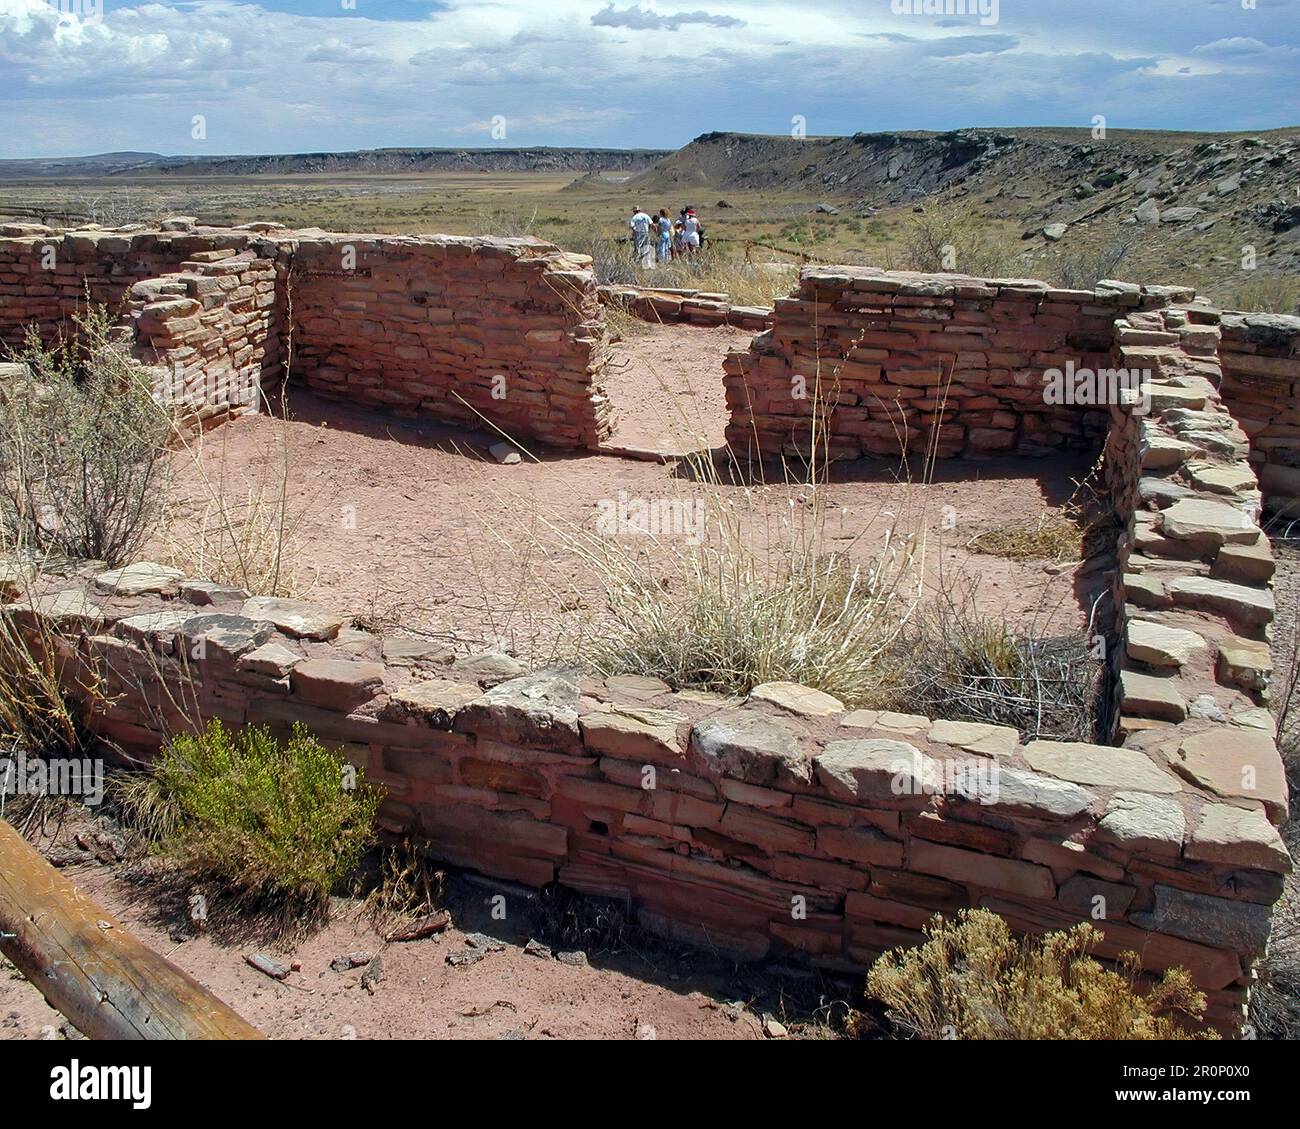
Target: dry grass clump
(1260,293)
(35,713)
(954,662)
(82,447)
(1052,536)
(973,980)
(399,886)
(273,823)
(758,599)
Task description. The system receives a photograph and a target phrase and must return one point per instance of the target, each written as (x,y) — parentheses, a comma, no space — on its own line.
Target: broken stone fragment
(1101,765)
(635,687)
(1031,794)
(413,652)
(217,635)
(489,668)
(1249,564)
(1144,823)
(205,593)
(296,618)
(980,738)
(750,747)
(1238,837)
(1146,591)
(1196,519)
(152,628)
(272,659)
(1252,607)
(1158,645)
(630,732)
(1146,695)
(879,769)
(1237,763)
(538,709)
(507,454)
(139,579)
(1245,663)
(797,699)
(336,684)
(439,700)
(1219,478)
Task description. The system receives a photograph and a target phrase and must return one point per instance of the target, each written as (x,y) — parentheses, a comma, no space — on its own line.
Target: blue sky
(303,75)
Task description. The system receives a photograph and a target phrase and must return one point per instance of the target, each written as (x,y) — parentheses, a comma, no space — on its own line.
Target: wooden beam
(86,965)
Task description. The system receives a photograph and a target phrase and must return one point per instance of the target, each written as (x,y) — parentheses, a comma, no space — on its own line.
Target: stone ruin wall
(499,333)
(1261,383)
(872,352)
(782,824)
(508,331)
(786,799)
(888,361)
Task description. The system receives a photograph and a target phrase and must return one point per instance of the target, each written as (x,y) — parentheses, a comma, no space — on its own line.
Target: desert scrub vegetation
(271,822)
(43,697)
(83,447)
(972,979)
(753,587)
(1082,268)
(1260,294)
(953,661)
(946,237)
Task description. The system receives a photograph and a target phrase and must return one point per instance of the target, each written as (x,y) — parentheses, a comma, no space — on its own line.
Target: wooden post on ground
(86,965)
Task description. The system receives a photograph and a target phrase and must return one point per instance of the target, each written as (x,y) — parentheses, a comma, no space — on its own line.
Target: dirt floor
(664,394)
(619,985)
(415,525)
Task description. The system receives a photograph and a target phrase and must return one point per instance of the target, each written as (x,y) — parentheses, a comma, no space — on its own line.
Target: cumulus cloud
(639,19)
(294,75)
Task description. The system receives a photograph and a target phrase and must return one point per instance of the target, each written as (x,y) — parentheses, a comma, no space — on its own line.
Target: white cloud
(632,74)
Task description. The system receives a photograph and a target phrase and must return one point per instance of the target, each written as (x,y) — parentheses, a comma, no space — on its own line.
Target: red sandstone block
(988,840)
(822,875)
(817,934)
(1010,875)
(766,831)
(868,908)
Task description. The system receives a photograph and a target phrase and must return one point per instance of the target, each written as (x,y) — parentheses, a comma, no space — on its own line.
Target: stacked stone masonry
(667,305)
(1261,384)
(879,363)
(506,334)
(781,824)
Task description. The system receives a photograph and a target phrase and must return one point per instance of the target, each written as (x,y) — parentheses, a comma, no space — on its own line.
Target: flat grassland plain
(556,206)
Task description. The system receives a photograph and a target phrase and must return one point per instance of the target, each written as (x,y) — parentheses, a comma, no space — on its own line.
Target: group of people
(660,238)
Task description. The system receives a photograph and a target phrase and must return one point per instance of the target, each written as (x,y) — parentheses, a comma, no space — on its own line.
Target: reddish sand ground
(619,992)
(415,522)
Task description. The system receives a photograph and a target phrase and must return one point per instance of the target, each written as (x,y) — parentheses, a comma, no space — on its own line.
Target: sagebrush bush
(269,821)
(972,979)
(83,447)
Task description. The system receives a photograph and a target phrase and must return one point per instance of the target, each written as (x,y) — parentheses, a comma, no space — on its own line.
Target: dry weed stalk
(249,539)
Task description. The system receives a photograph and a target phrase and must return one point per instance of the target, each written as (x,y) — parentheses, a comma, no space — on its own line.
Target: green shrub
(269,821)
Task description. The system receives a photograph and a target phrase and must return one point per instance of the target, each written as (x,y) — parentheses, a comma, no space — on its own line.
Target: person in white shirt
(691,226)
(642,248)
